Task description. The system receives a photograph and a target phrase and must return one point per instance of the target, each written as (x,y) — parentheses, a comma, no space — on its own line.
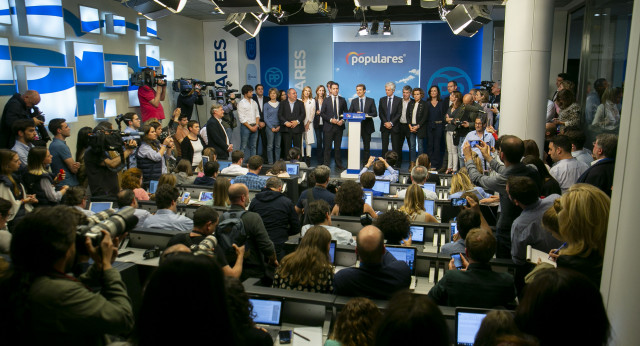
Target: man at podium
(367,105)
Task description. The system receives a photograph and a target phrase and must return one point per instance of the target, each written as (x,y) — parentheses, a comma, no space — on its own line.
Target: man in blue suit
(367,105)
(333,125)
(390,107)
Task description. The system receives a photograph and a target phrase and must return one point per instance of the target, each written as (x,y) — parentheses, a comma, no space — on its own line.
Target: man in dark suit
(390,111)
(291,115)
(332,109)
(451,87)
(216,135)
(261,100)
(600,174)
(363,104)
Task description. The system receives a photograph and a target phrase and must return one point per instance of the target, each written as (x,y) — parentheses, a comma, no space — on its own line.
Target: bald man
(258,244)
(21,106)
(291,114)
(379,276)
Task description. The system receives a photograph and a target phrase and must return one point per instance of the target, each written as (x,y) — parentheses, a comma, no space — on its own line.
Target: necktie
(361,106)
(389,107)
(335,107)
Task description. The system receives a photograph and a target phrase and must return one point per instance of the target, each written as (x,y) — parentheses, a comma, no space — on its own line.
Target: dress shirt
(248,111)
(566,172)
(583,155)
(226,137)
(253,181)
(23,151)
(390,174)
(146,151)
(134,135)
(527,230)
(486,137)
(341,236)
(142,215)
(428,194)
(378,281)
(234,169)
(168,220)
(86,212)
(403,117)
(451,248)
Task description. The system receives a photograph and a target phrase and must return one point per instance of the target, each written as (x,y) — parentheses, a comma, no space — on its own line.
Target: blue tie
(361,106)
(389,108)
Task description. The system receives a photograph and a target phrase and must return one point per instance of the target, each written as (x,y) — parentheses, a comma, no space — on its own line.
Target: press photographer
(190,94)
(150,99)
(101,168)
(42,304)
(22,106)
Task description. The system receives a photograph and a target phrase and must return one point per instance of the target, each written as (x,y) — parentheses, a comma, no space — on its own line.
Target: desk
(137,257)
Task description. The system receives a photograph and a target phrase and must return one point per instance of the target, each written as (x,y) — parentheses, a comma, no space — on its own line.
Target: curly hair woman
(308,268)
(354,325)
(350,201)
(132,180)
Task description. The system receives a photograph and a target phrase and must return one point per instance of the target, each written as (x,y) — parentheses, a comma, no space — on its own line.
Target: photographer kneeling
(41,304)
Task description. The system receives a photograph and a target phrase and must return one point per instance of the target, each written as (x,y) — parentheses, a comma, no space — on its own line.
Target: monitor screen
(332,252)
(153,185)
(429,206)
(417,233)
(368,198)
(403,253)
(467,325)
(97,207)
(293,168)
(430,186)
(224,164)
(382,186)
(454,229)
(266,311)
(206,196)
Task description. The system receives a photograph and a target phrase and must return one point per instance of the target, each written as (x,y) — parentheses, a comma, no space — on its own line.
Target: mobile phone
(185,196)
(284,336)
(454,230)
(474,143)
(457,261)
(458,202)
(204,161)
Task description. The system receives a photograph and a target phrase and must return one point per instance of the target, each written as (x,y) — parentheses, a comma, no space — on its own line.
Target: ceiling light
(364,29)
(174,6)
(311,6)
(244,25)
(386,27)
(429,3)
(374,27)
(378,8)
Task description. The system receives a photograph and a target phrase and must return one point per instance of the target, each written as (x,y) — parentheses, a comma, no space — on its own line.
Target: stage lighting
(311,6)
(386,27)
(244,25)
(374,27)
(174,6)
(466,20)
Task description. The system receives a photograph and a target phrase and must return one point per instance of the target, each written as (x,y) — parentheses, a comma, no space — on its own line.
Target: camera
(151,253)
(185,85)
(148,77)
(223,94)
(114,223)
(109,140)
(485,84)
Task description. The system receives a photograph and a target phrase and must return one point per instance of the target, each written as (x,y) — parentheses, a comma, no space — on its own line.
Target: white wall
(558,47)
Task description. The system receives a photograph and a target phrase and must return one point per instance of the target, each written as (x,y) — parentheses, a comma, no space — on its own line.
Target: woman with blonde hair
(461,183)
(310,111)
(355,324)
(132,180)
(321,94)
(308,268)
(221,192)
(414,205)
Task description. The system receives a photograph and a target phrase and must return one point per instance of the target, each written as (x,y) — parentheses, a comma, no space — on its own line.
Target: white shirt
(197,152)
(340,235)
(248,111)
(234,169)
(413,114)
(428,194)
(403,117)
(225,132)
(567,172)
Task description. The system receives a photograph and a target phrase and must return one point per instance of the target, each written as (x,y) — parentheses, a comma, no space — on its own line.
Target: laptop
(268,315)
(382,186)
(97,207)
(429,206)
(153,186)
(407,254)
(224,164)
(429,186)
(332,252)
(205,196)
(417,234)
(468,322)
(454,230)
(293,168)
(368,198)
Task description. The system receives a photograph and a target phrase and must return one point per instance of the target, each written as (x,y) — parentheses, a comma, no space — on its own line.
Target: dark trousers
(262,137)
(334,137)
(319,144)
(404,136)
(385,136)
(291,140)
(396,145)
(434,148)
(366,143)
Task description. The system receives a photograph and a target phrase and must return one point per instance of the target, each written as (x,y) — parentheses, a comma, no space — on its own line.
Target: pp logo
(273,77)
(442,77)
(251,49)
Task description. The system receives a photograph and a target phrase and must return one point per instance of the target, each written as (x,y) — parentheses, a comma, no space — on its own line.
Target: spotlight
(311,6)
(374,27)
(386,27)
(174,6)
(466,20)
(244,25)
(364,29)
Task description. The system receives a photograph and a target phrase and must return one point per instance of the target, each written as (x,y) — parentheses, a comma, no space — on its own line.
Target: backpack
(231,231)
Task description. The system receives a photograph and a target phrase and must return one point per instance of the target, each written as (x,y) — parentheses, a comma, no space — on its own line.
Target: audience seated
(308,268)
(394,224)
(184,173)
(241,315)
(76,197)
(466,220)
(355,324)
(460,183)
(166,216)
(477,285)
(257,237)
(566,169)
(319,191)
(278,214)
(350,201)
(132,179)
(567,297)
(210,173)
(221,192)
(379,276)
(165,316)
(279,169)
(419,176)
(294,156)
(320,215)
(499,328)
(5,236)
(126,198)
(235,168)
(411,318)
(550,186)
(600,174)
(381,169)
(252,179)
(393,159)
(205,220)
(43,305)
(414,205)
(167,179)
(368,180)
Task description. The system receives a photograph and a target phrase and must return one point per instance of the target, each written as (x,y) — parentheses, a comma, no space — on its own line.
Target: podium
(353,144)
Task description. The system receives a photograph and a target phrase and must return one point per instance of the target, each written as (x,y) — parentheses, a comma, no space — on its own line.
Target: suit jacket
(216,138)
(369,108)
(261,109)
(600,175)
(421,117)
(327,114)
(285,114)
(393,116)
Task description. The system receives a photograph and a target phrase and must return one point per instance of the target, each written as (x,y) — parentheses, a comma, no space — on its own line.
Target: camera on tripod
(109,140)
(148,76)
(114,223)
(185,85)
(485,84)
(223,94)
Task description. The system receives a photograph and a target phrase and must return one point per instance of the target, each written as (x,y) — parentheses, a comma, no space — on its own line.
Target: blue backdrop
(274,65)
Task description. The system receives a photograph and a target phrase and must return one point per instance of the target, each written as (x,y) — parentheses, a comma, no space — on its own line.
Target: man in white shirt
(249,116)
(320,215)
(235,168)
(566,169)
(419,175)
(577,138)
(405,134)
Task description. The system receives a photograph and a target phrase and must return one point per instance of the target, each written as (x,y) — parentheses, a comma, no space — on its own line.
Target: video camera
(223,94)
(109,140)
(114,223)
(148,76)
(485,84)
(185,85)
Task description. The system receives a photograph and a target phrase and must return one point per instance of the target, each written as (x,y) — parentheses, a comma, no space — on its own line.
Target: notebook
(293,168)
(332,251)
(417,234)
(429,206)
(97,207)
(468,322)
(382,186)
(205,196)
(224,164)
(153,186)
(368,198)
(534,254)
(429,186)
(407,254)
(268,315)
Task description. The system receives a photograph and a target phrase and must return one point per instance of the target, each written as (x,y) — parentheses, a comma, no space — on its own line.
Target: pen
(558,249)
(302,336)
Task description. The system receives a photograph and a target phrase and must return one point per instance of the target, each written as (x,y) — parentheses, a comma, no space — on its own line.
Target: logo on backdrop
(354,58)
(273,77)
(251,48)
(442,77)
